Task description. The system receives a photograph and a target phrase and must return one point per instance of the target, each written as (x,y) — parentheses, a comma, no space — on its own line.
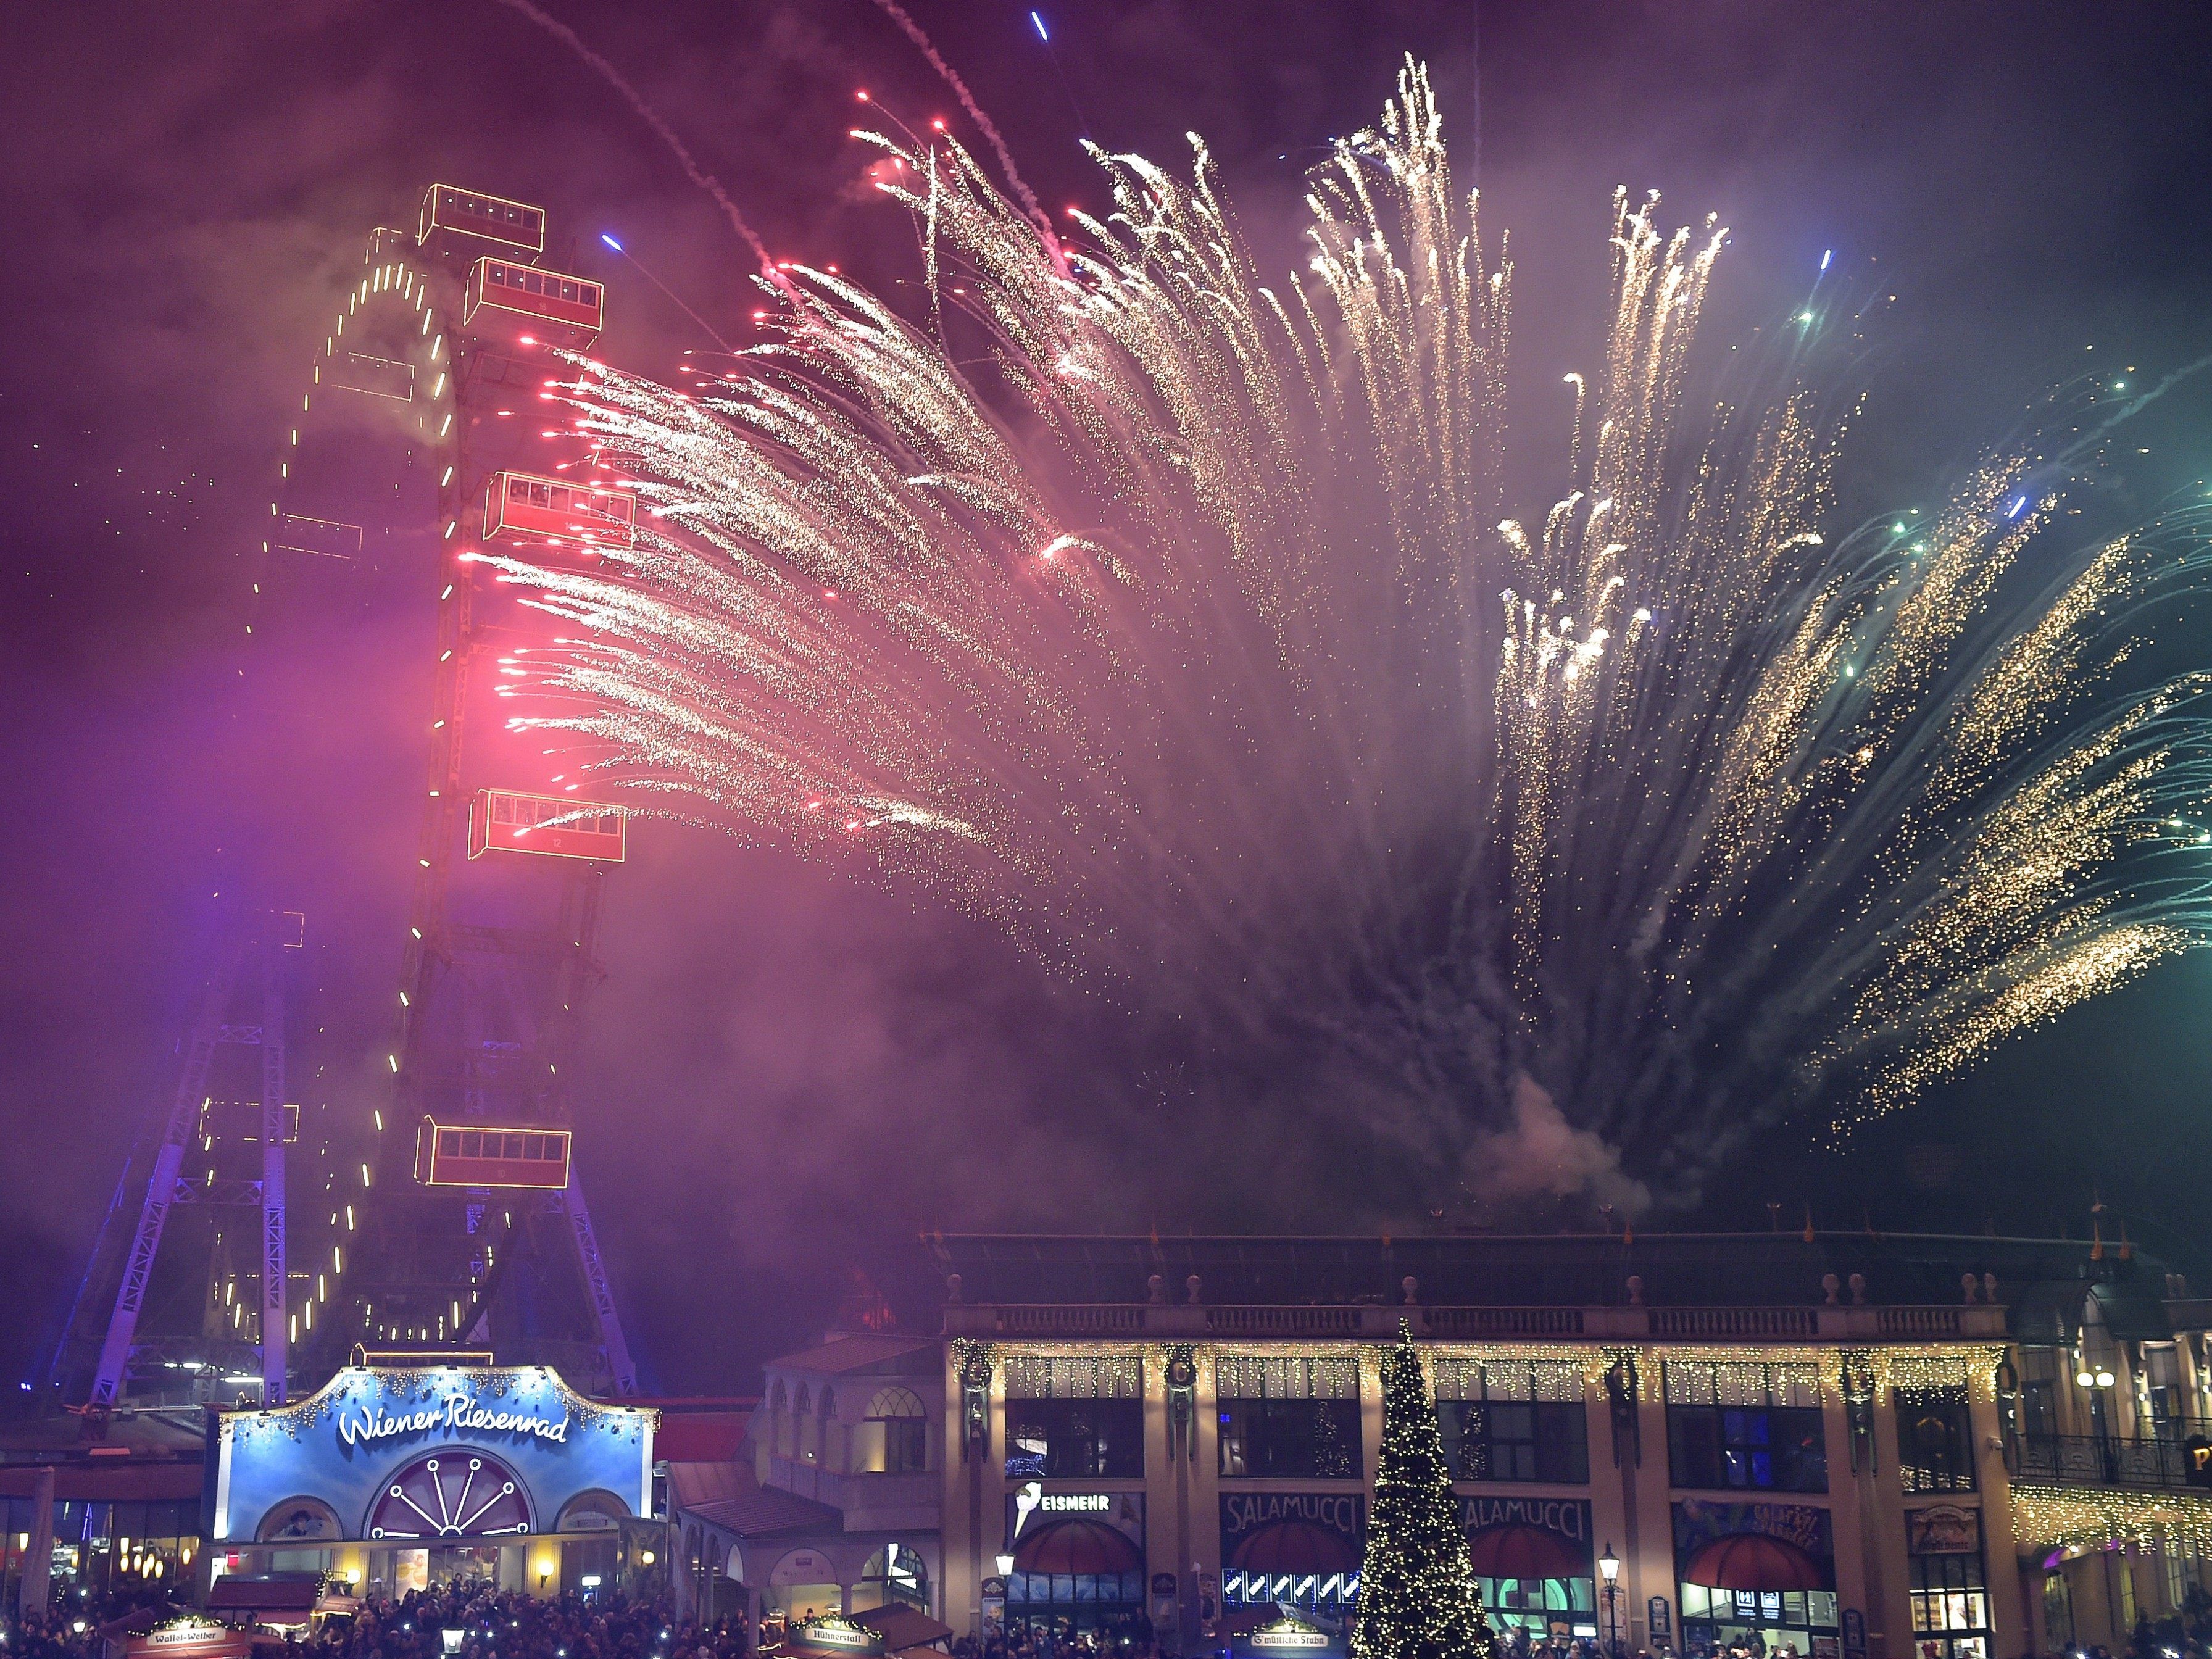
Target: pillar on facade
(38,1562)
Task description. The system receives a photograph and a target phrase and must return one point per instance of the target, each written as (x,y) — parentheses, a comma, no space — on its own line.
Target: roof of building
(752,1510)
(121,1479)
(701,1436)
(866,1353)
(693,1483)
(180,1431)
(1581,1270)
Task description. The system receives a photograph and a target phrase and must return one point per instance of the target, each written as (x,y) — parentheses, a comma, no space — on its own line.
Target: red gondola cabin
(449,215)
(490,1155)
(507,301)
(521,506)
(554,826)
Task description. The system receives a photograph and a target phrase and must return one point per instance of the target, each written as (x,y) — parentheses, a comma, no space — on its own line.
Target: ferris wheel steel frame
(399,270)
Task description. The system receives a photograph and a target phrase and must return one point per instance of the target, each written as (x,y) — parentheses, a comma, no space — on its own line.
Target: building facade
(836,1504)
(398,1477)
(1858,1448)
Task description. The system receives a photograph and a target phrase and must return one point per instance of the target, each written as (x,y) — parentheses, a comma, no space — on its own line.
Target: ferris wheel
(451,1216)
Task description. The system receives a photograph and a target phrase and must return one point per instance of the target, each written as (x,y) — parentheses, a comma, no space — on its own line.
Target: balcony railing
(853,1493)
(2093,1460)
(1843,1325)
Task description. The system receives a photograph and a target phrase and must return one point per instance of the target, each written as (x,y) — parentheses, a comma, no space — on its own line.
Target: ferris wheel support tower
(465,1222)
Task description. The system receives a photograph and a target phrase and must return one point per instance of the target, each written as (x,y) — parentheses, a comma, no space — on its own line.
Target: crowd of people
(1130,1636)
(493,1624)
(496,1624)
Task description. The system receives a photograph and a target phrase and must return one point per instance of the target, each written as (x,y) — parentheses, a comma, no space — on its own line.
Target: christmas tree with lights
(1417,1594)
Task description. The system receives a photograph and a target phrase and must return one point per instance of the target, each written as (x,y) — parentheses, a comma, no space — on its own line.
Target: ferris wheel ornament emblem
(454,1495)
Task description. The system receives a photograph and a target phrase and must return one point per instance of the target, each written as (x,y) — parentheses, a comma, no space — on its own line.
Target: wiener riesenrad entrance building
(397,1479)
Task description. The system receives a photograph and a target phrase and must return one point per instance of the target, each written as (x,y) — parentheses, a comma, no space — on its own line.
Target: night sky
(787,1072)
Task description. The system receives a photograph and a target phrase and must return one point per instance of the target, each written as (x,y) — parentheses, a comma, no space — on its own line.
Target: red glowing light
(828,593)
(862,94)
(938,123)
(527,340)
(852,823)
(814,806)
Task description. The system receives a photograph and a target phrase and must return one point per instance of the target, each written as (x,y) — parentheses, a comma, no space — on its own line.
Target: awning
(1754,1561)
(1294,1545)
(1513,1549)
(902,1627)
(1077,1545)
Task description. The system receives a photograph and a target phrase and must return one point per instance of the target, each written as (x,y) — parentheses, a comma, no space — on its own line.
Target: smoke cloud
(1541,1155)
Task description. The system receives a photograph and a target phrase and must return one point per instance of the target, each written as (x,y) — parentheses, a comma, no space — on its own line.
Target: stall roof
(139,1620)
(903,1627)
(269,1593)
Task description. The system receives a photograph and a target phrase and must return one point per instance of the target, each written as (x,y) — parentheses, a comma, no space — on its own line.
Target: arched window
(1935,1440)
(899,1575)
(896,1434)
(779,1425)
(805,1436)
(828,1406)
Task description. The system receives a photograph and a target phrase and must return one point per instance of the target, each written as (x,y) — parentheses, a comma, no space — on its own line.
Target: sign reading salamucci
(443,1452)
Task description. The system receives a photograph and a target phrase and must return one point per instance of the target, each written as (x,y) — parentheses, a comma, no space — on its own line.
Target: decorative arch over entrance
(456,1493)
(299,1520)
(596,1511)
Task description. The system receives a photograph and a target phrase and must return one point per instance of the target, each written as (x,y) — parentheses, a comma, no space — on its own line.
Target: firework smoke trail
(989,128)
(1187,639)
(652,116)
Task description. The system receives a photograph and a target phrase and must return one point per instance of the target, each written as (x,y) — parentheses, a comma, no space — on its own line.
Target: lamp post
(1609,1566)
(2095,1379)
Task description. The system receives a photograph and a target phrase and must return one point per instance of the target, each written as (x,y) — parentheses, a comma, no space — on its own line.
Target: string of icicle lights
(1171,619)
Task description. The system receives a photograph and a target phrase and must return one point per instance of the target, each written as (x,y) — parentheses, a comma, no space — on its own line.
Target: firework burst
(1170,618)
